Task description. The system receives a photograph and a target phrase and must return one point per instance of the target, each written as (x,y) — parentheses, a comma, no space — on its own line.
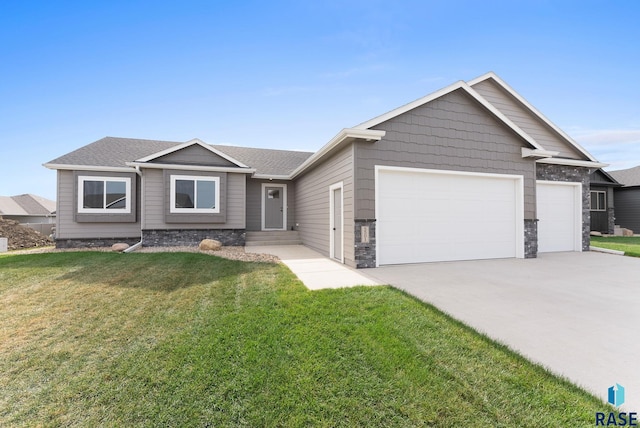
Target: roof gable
(194,152)
(527,117)
(601,177)
(460,85)
(26,205)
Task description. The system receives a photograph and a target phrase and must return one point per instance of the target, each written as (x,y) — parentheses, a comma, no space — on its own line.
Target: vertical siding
(312,203)
(155,204)
(537,129)
(628,208)
(452,133)
(254,203)
(66,228)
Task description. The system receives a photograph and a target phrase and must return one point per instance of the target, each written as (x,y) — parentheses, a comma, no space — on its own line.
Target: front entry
(336,222)
(274,203)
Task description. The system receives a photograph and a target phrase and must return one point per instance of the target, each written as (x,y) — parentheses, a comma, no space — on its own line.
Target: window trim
(591,208)
(104,179)
(172,194)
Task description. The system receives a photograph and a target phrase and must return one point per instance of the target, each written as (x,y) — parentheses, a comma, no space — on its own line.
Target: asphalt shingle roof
(627,177)
(26,205)
(115,152)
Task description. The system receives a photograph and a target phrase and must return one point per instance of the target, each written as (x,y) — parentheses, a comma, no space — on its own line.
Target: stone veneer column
(365,252)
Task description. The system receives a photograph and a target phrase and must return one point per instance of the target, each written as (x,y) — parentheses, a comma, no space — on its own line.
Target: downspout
(138,244)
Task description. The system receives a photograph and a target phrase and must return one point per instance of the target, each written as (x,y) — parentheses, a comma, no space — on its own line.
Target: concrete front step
(275,237)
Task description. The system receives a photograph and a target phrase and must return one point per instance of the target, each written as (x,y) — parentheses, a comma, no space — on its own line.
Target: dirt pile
(20,237)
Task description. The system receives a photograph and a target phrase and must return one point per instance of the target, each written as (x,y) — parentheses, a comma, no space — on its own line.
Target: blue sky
(291,74)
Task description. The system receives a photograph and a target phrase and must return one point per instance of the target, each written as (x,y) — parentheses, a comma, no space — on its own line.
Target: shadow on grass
(154,271)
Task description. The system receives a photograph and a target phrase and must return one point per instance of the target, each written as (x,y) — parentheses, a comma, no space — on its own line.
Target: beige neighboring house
(28,209)
(472,171)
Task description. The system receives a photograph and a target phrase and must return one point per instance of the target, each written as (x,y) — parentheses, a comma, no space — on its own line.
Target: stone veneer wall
(579,174)
(365,253)
(611,220)
(191,237)
(93,243)
(530,239)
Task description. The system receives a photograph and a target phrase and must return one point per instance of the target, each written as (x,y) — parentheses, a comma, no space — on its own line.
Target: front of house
(472,171)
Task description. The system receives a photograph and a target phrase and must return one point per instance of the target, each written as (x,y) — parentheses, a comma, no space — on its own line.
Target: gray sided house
(601,201)
(472,171)
(628,198)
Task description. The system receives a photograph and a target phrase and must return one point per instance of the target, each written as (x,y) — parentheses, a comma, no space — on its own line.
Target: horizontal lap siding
(154,204)
(450,133)
(525,120)
(254,203)
(312,203)
(628,208)
(66,228)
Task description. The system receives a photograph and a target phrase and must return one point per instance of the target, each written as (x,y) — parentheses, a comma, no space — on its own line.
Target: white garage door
(559,216)
(430,215)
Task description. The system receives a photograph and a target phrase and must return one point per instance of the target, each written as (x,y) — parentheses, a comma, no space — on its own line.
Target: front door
(274,204)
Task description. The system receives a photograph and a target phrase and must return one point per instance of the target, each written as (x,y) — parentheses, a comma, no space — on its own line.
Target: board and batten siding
(628,208)
(453,133)
(533,126)
(254,203)
(67,228)
(312,203)
(153,213)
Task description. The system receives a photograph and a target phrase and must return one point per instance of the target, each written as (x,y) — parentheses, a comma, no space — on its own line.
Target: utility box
(4,243)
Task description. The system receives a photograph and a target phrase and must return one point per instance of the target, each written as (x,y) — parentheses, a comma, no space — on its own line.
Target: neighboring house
(628,198)
(472,171)
(601,201)
(28,209)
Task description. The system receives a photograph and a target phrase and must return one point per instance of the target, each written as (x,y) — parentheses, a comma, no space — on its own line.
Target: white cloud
(620,148)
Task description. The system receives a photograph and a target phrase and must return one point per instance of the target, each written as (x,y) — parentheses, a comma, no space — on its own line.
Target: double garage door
(432,215)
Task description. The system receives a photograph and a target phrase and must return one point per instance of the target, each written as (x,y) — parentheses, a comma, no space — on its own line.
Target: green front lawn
(629,244)
(182,339)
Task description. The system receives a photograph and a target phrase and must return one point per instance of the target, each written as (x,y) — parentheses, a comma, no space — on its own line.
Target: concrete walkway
(312,268)
(575,313)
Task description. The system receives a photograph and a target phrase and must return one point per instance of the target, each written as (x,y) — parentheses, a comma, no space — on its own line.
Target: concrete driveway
(578,314)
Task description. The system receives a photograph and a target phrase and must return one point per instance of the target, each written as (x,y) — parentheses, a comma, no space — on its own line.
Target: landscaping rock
(119,247)
(627,232)
(209,245)
(594,233)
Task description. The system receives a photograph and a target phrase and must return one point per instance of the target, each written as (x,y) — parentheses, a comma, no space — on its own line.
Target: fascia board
(542,117)
(191,167)
(573,162)
(271,177)
(88,167)
(341,137)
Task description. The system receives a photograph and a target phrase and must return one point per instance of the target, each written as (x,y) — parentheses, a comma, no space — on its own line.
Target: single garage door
(559,216)
(430,215)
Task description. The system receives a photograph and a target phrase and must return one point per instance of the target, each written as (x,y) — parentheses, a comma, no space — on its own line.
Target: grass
(181,339)
(629,244)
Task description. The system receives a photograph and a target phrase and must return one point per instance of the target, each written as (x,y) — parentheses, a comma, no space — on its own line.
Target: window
(104,194)
(598,200)
(191,194)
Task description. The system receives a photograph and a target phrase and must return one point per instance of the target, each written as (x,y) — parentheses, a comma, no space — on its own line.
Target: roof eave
(345,136)
(182,167)
(74,167)
(572,162)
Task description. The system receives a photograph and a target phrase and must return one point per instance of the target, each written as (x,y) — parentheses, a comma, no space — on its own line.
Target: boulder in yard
(594,233)
(119,247)
(209,245)
(627,232)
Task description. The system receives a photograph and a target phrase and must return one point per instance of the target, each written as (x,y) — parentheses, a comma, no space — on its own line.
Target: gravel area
(231,253)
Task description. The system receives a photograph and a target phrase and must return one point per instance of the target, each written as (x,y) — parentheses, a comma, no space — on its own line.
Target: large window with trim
(111,195)
(598,200)
(194,194)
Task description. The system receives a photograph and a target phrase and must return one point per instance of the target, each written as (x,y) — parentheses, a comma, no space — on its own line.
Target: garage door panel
(426,215)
